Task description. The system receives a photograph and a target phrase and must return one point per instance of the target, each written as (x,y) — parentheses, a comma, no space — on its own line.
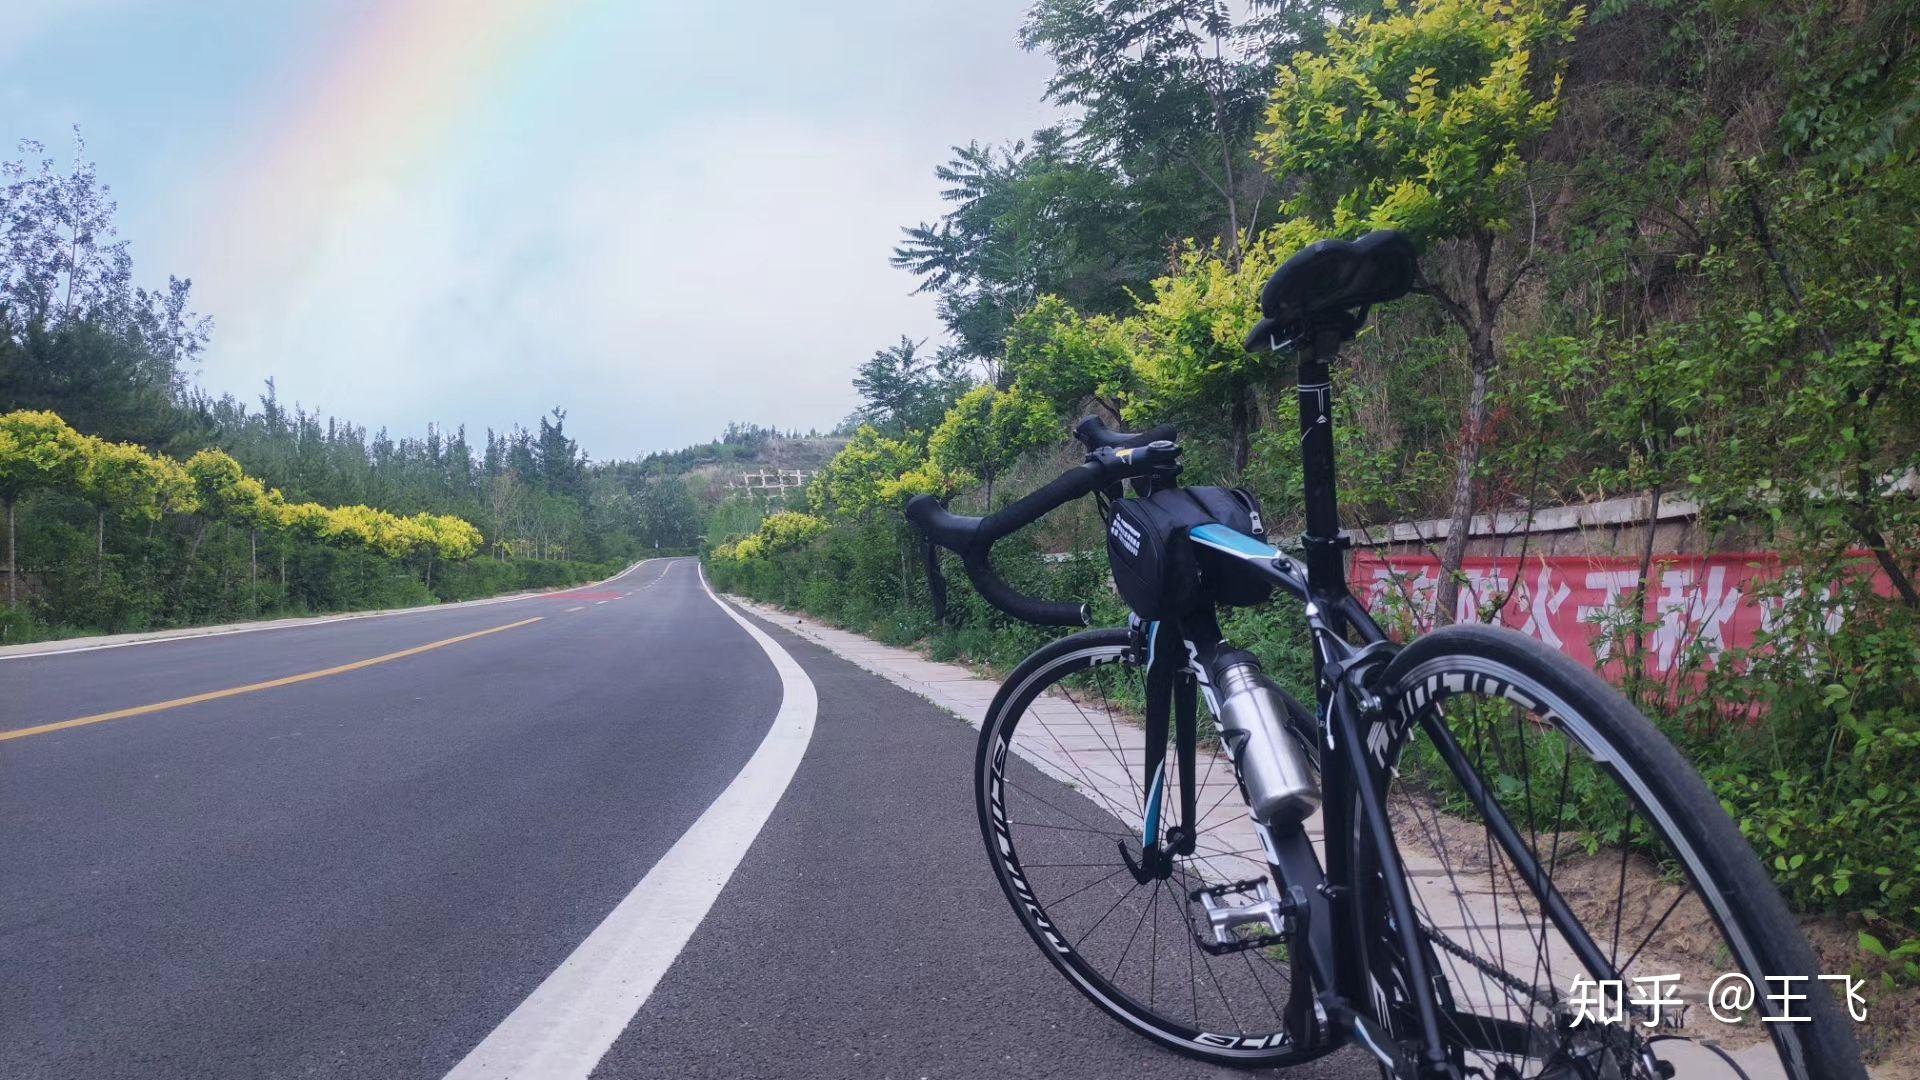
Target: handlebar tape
(1094,434)
(973,538)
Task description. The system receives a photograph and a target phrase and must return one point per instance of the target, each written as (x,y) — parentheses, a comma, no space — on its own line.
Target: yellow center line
(233,691)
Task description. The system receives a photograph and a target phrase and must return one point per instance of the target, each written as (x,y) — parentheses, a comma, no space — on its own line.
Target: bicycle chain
(1486,968)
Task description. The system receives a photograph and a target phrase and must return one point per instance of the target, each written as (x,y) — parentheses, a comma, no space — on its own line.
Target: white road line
(581,607)
(565,1026)
(597,603)
(320,620)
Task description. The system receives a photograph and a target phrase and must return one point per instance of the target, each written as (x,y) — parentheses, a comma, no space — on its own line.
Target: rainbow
(376,104)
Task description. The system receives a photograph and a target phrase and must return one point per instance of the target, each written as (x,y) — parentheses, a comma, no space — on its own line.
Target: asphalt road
(364,872)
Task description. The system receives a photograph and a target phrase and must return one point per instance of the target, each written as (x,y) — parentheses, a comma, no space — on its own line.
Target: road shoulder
(146,637)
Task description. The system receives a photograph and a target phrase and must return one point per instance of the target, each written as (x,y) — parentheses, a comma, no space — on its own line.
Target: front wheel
(1063,803)
(1557,846)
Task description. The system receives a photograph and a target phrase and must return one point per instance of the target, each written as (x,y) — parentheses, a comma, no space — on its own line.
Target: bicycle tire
(1001,833)
(1734,891)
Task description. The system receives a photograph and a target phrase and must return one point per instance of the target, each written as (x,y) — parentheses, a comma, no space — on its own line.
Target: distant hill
(747,457)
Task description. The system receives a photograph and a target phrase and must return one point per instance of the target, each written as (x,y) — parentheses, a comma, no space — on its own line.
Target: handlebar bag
(1159,573)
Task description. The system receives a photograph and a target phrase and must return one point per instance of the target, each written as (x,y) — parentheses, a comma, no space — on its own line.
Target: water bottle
(1273,767)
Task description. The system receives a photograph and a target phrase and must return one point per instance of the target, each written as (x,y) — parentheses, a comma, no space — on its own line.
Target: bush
(1812,740)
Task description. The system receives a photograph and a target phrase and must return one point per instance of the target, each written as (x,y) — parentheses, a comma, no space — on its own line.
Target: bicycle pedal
(1266,914)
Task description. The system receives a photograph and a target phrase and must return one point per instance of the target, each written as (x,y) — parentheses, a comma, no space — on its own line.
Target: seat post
(1326,565)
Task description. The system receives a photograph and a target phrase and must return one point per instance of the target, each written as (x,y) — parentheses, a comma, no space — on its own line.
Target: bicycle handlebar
(1093,434)
(972,538)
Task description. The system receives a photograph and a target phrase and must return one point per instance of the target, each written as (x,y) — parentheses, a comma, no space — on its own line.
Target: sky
(659,217)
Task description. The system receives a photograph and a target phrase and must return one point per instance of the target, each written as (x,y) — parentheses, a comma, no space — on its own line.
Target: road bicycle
(1469,857)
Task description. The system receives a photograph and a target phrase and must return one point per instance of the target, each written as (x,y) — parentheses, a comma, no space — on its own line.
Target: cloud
(659,240)
(737,271)
(714,272)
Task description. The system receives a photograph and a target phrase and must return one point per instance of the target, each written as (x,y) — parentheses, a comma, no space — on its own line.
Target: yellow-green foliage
(120,476)
(856,481)
(779,532)
(1179,354)
(926,478)
(453,537)
(39,450)
(1188,335)
(172,487)
(227,493)
(1418,118)
(988,429)
(788,529)
(1066,357)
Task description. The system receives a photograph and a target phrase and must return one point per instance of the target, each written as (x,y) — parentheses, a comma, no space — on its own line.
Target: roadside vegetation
(133,499)
(1671,248)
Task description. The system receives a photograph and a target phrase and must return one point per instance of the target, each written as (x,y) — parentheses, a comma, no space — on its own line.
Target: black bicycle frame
(1348,645)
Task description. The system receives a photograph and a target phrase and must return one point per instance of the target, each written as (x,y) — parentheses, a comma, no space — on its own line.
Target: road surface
(449,841)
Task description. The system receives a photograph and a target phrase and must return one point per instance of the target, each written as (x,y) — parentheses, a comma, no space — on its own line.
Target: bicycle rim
(1060,789)
(1595,799)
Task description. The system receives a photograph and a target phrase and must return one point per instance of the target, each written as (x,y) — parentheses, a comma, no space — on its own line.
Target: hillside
(746,458)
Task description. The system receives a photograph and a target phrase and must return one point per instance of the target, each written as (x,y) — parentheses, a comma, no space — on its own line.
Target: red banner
(1566,600)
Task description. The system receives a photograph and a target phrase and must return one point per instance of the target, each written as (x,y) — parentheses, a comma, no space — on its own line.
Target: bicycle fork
(1273,771)
(1313,917)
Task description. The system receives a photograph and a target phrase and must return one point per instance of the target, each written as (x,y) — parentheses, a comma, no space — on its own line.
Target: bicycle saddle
(1332,277)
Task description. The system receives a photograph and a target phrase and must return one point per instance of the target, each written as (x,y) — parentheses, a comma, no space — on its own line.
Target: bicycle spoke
(1658,923)
(1074,834)
(1103,917)
(1064,812)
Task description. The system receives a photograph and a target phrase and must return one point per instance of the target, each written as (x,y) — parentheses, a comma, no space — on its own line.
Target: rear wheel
(1486,729)
(1062,801)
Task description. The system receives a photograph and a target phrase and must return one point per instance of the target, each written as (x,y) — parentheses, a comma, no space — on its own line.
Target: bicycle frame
(1348,646)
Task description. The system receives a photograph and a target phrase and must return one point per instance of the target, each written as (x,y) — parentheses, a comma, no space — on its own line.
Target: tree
(1170,91)
(225,493)
(442,536)
(114,475)
(561,464)
(787,530)
(1027,219)
(80,338)
(853,484)
(1422,120)
(903,388)
(1069,359)
(37,450)
(1187,337)
(988,430)
(666,515)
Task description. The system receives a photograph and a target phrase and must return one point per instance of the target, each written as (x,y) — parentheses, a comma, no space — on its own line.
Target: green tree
(854,483)
(37,450)
(905,388)
(1172,90)
(1070,359)
(666,513)
(1422,119)
(1027,219)
(1188,334)
(116,476)
(988,430)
